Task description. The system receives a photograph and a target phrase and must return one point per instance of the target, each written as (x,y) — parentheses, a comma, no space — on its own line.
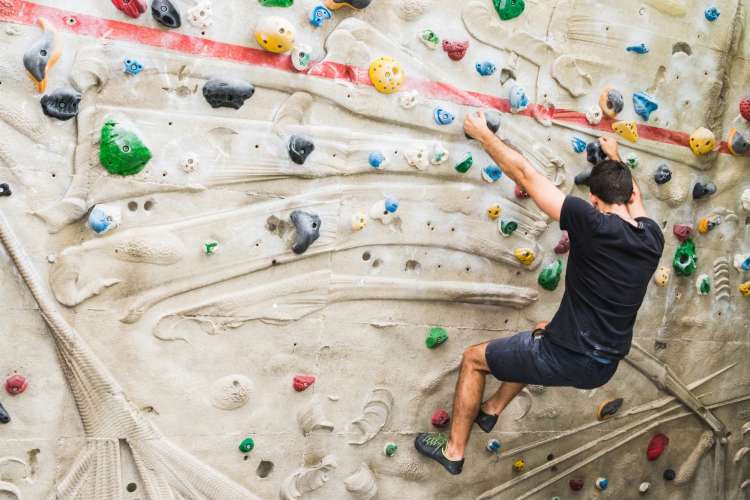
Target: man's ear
(594,200)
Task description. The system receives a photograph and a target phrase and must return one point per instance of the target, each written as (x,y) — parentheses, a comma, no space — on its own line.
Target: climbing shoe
(433,446)
(608,408)
(485,422)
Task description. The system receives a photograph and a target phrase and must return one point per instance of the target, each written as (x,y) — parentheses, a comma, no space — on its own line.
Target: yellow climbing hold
(626,130)
(525,256)
(745,289)
(661,276)
(519,465)
(359,222)
(386,75)
(275,34)
(702,141)
(494,212)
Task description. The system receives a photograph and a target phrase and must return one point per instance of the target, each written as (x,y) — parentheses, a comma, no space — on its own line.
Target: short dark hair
(612,182)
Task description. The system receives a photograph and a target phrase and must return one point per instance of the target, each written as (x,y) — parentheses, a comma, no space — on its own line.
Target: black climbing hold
(701,190)
(61,104)
(594,152)
(663,174)
(615,101)
(307,227)
(300,148)
(493,122)
(669,475)
(582,179)
(4,417)
(227,93)
(166,14)
(5,189)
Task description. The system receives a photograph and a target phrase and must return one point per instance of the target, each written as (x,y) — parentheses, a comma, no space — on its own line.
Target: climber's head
(610,183)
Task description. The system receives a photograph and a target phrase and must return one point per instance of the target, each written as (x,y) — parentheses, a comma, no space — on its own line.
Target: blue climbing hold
(579,145)
(131,66)
(443,117)
(319,15)
(376,159)
(641,48)
(712,13)
(602,484)
(493,446)
(745,264)
(391,205)
(492,173)
(644,105)
(486,68)
(518,99)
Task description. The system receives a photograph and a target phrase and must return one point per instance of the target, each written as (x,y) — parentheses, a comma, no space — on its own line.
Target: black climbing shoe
(432,446)
(486,422)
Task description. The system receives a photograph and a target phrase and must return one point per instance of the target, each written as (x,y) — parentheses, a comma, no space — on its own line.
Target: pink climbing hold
(16,384)
(440,418)
(456,50)
(131,8)
(745,108)
(683,232)
(563,246)
(520,193)
(656,446)
(576,484)
(302,382)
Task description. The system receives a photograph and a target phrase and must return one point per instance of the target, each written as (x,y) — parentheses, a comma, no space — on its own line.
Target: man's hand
(609,146)
(475,126)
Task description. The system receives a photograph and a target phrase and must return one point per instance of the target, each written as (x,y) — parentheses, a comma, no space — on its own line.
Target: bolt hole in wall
(412,265)
(265,467)
(366,256)
(133,206)
(131,487)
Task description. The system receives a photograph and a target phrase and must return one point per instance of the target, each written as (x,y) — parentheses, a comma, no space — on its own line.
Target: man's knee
(474,357)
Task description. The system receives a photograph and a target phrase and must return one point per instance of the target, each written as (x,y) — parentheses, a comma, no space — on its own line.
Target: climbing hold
(319,15)
(611,102)
(602,483)
(435,337)
(386,75)
(409,99)
(439,154)
(656,446)
(190,162)
(61,104)
(302,382)
(745,108)
(440,418)
(275,34)
(456,50)
(5,189)
(509,9)
(683,232)
(549,278)
(661,276)
(702,141)
(627,130)
(494,212)
(745,289)
(131,8)
(429,38)
(121,151)
(376,159)
(103,218)
(493,122)
(644,105)
(300,57)
(669,475)
(276,3)
(307,230)
(706,224)
(737,143)
(166,14)
(703,284)
(492,173)
(201,14)
(390,449)
(644,487)
(131,66)
(632,160)
(42,55)
(443,117)
(742,262)
(419,159)
(355,4)
(685,260)
(576,484)
(582,179)
(385,210)
(519,465)
(518,99)
(712,13)
(466,164)
(507,227)
(4,416)
(663,174)
(579,145)
(563,246)
(485,68)
(519,193)
(640,48)
(359,222)
(16,384)
(525,256)
(594,115)
(300,148)
(227,93)
(247,445)
(493,446)
(595,153)
(608,408)
(702,190)
(210,247)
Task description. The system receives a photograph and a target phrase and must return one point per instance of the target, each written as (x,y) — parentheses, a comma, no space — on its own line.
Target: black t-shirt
(609,268)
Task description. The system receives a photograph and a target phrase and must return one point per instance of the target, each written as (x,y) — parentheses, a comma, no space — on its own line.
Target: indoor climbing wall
(245,243)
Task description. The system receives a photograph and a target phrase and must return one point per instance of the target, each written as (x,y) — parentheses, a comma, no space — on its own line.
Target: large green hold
(549,278)
(436,337)
(509,9)
(121,151)
(685,260)
(276,3)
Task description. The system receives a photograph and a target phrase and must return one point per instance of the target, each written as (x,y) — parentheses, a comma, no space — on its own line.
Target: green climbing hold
(390,449)
(509,9)
(685,260)
(703,284)
(466,164)
(121,151)
(210,246)
(276,3)
(247,445)
(549,278)
(508,227)
(436,337)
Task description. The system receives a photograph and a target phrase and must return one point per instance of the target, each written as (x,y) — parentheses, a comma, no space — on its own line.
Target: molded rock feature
(201,15)
(429,38)
(578,144)
(525,256)
(456,50)
(61,104)
(608,408)
(509,9)
(703,285)
(436,336)
(385,211)
(736,143)
(302,382)
(42,55)
(361,485)
(375,416)
(275,34)
(386,75)
(595,153)
(518,99)
(443,117)
(319,15)
(440,418)
(683,232)
(220,93)
(465,164)
(494,212)
(702,141)
(16,384)
(409,99)
(311,418)
(626,130)
(390,449)
(712,14)
(485,68)
(576,484)
(594,115)
(307,230)
(494,446)
(549,278)
(602,483)
(491,173)
(121,151)
(703,190)
(307,479)
(689,467)
(247,445)
(663,174)
(656,446)
(300,148)
(104,218)
(359,222)
(301,59)
(166,14)
(661,276)
(611,102)
(685,259)
(4,415)
(354,4)
(706,224)
(131,8)
(563,246)
(644,105)
(230,392)
(131,67)
(519,465)
(507,227)
(745,108)
(640,48)
(376,159)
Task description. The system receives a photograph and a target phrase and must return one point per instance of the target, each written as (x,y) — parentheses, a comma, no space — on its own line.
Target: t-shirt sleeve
(655,230)
(578,217)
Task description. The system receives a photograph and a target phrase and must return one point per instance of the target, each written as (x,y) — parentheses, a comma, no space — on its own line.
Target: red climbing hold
(302,382)
(440,418)
(132,8)
(745,108)
(683,232)
(563,246)
(520,193)
(456,50)
(16,384)
(576,484)
(656,446)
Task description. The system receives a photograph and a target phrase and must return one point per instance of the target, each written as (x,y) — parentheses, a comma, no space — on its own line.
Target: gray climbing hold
(663,174)
(582,179)
(702,190)
(595,153)
(300,148)
(61,104)
(166,14)
(307,230)
(4,416)
(227,93)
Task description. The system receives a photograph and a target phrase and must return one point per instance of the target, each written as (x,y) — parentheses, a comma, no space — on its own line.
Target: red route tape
(24,12)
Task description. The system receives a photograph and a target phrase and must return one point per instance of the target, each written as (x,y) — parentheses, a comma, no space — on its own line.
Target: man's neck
(619,210)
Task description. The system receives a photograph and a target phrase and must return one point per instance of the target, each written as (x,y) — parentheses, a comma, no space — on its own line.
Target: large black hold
(582,179)
(4,417)
(300,148)
(166,14)
(307,230)
(61,104)
(663,174)
(701,190)
(595,153)
(227,93)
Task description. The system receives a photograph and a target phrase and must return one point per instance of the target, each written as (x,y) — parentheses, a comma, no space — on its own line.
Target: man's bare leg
(502,398)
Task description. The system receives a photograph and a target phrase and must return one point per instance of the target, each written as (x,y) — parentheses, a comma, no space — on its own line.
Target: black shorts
(526,359)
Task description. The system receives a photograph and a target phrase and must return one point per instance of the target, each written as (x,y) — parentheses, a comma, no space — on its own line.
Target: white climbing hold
(231,392)
(409,99)
(594,115)
(440,155)
(644,487)
(189,163)
(419,159)
(359,222)
(201,15)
